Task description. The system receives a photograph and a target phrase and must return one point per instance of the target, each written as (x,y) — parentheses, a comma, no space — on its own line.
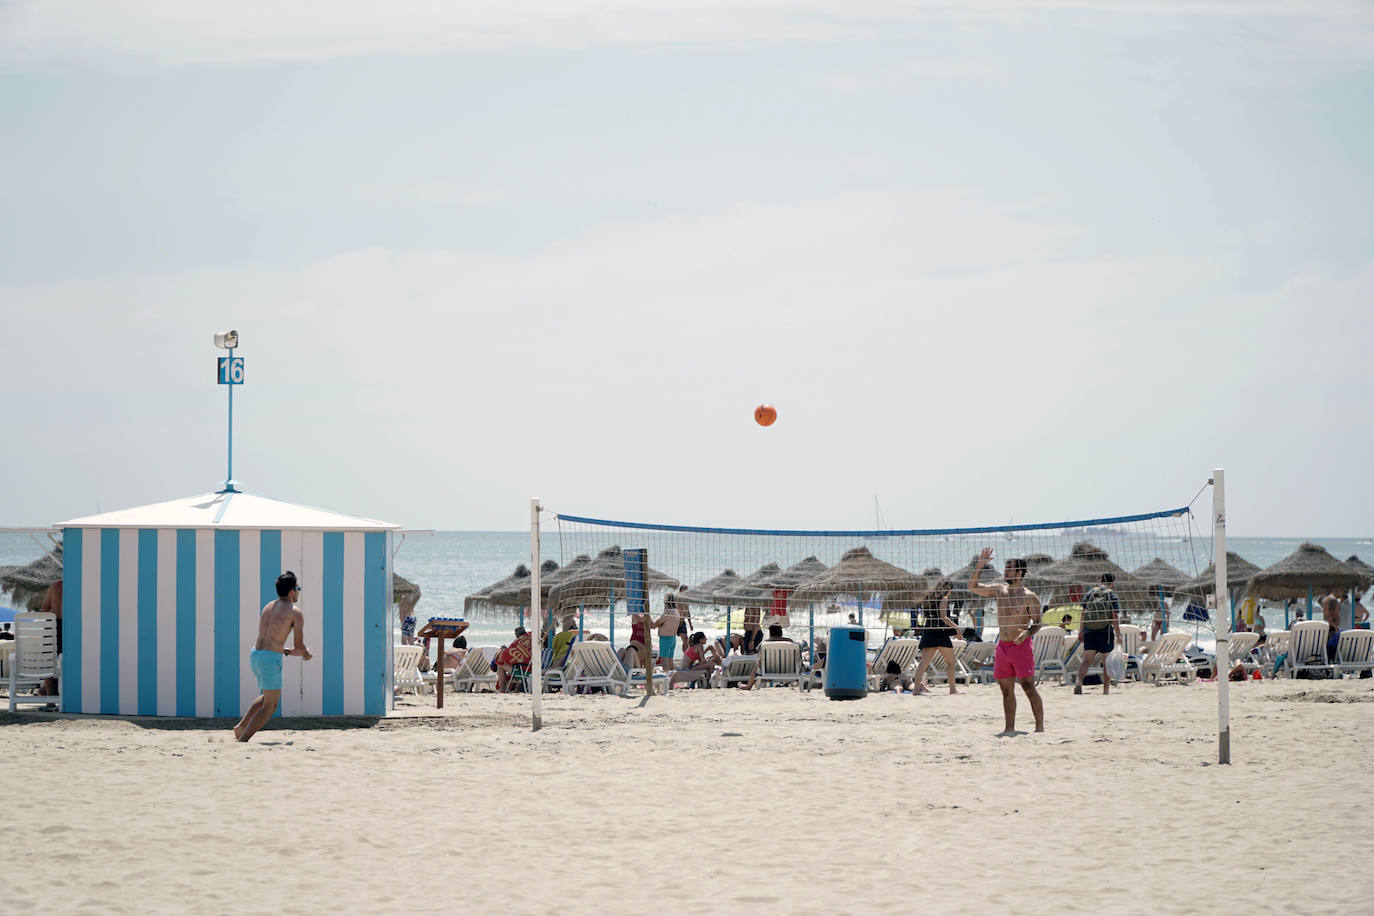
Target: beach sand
(707,800)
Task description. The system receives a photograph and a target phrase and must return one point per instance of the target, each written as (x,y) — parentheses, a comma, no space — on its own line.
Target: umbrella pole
(861,608)
(522,616)
(611,613)
(811,616)
(728,611)
(581,622)
(1309,601)
(1163,611)
(1287,610)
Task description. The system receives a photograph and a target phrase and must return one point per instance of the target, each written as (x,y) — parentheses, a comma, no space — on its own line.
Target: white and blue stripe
(159,621)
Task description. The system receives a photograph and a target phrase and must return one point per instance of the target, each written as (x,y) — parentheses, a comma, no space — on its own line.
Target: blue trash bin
(846,664)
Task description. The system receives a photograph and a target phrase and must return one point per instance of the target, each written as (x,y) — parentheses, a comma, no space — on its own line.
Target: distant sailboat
(877,520)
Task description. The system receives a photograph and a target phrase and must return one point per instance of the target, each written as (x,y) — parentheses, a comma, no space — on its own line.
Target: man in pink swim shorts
(1018,617)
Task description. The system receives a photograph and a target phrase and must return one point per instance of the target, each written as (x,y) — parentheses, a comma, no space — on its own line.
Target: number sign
(231,370)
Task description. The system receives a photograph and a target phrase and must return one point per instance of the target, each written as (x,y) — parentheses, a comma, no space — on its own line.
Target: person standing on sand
(667,632)
(279,618)
(1101,630)
(52,604)
(1018,617)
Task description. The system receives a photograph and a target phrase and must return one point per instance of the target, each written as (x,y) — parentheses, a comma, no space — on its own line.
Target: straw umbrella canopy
(405,593)
(790,579)
(517,594)
(714,590)
(26,585)
(1360,566)
(989,576)
(754,587)
(1239,572)
(1158,574)
(1308,567)
(604,575)
(549,576)
(1085,566)
(862,575)
(1034,561)
(481,599)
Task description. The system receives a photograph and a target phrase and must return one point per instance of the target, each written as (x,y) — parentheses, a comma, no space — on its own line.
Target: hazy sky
(990,260)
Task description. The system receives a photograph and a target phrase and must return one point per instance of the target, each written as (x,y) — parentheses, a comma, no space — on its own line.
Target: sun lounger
(1355,652)
(1273,651)
(1240,650)
(35,658)
(1307,649)
(1166,662)
(780,663)
(738,669)
(475,669)
(407,667)
(977,657)
(1047,645)
(903,651)
(1131,638)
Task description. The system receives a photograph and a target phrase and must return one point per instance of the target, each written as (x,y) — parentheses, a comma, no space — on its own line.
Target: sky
(991,261)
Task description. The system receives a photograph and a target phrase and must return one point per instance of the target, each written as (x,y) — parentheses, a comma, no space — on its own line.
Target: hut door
(291,677)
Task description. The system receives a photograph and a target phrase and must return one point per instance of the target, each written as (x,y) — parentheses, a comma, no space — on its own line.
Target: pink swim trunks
(1012,660)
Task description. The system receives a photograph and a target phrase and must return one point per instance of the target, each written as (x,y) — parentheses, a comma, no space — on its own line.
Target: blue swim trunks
(667,646)
(266,667)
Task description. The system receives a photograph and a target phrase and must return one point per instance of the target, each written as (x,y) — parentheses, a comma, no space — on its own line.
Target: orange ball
(765,414)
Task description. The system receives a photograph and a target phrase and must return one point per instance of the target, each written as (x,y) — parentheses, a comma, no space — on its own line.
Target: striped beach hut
(161,605)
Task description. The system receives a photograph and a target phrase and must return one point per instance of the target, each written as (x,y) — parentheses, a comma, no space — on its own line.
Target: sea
(450,565)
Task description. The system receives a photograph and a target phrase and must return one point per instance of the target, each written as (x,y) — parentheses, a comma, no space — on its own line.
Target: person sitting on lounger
(562,643)
(700,660)
(774,635)
(516,655)
(1331,611)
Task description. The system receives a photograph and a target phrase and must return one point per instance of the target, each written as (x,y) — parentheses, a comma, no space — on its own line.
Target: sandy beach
(770,801)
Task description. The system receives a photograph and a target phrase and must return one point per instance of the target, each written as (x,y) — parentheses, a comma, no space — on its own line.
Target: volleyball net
(809,581)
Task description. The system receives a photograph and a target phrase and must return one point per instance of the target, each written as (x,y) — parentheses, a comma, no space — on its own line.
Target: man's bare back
(278,619)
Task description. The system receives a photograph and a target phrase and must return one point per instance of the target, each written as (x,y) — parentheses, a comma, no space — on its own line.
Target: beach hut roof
(861,573)
(592,586)
(713,590)
(1238,574)
(1310,566)
(229,510)
(1159,574)
(25,586)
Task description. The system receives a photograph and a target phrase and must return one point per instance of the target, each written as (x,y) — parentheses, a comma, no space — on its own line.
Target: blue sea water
(449,565)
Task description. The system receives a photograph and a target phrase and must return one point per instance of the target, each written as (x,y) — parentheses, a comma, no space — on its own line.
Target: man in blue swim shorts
(279,619)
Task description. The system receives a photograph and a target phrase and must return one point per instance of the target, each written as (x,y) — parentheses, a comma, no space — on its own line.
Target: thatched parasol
(1360,566)
(405,593)
(517,594)
(549,576)
(1034,561)
(26,585)
(989,576)
(713,590)
(761,585)
(481,599)
(1158,574)
(863,575)
(753,588)
(1239,571)
(1084,567)
(605,574)
(1308,567)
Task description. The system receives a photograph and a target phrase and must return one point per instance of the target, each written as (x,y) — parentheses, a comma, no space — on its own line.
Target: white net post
(1223,623)
(536,619)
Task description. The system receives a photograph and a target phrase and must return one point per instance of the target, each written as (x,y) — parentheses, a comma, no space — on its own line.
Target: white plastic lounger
(903,651)
(1131,637)
(1355,652)
(35,658)
(475,669)
(738,669)
(780,663)
(1240,650)
(1048,647)
(594,664)
(937,672)
(1166,662)
(1274,648)
(408,670)
(1307,648)
(976,657)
